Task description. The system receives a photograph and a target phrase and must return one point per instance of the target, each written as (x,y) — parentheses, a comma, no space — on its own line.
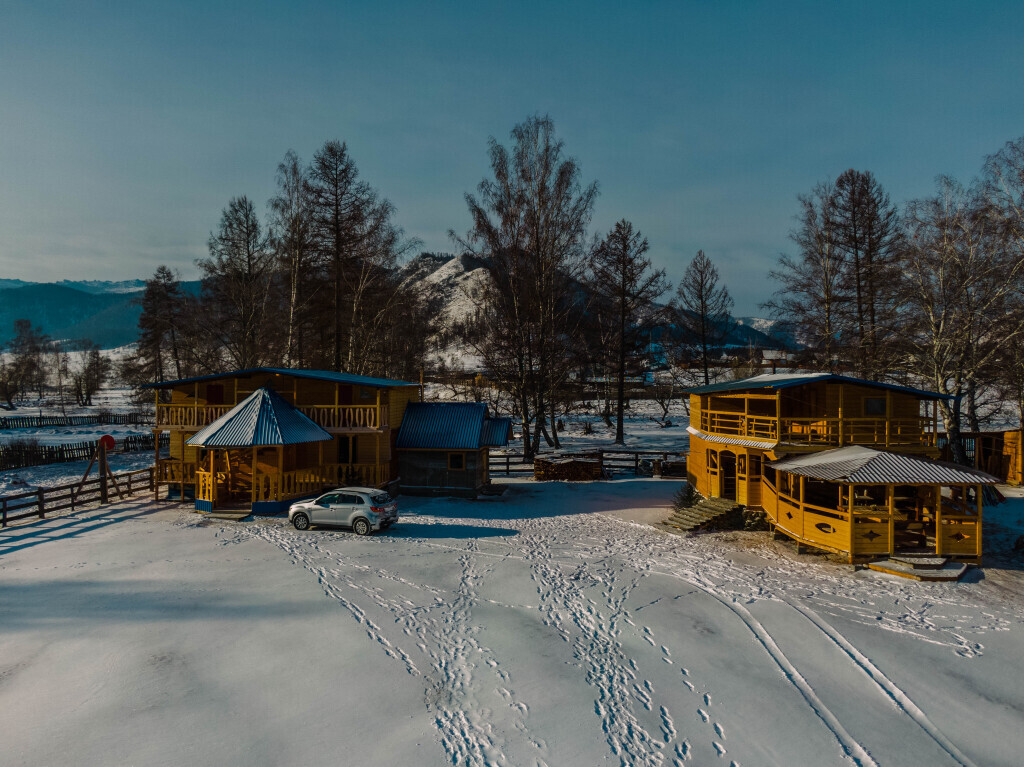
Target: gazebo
(263,453)
(863,503)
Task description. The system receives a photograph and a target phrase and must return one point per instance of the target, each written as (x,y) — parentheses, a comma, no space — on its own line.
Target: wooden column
(978,533)
(746,414)
(891,490)
(280,472)
(853,492)
(195,408)
(377,469)
(778,415)
(888,415)
(938,520)
(800,500)
(252,481)
(840,415)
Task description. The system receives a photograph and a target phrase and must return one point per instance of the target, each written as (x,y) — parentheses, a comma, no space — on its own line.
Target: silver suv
(361,508)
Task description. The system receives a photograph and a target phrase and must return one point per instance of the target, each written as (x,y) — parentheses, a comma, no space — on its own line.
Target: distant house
(443,447)
(261,437)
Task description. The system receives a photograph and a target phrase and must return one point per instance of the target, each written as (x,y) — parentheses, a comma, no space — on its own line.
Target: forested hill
(105,313)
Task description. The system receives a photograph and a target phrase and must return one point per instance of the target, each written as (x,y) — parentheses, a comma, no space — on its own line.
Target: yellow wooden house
(838,463)
(262,437)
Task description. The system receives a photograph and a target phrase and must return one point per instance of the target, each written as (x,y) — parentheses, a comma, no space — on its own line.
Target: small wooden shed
(443,447)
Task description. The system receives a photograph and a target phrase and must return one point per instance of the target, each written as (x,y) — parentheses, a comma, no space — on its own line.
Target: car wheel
(301,521)
(361,526)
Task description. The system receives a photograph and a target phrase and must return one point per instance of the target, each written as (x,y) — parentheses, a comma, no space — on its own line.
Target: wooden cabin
(356,420)
(444,447)
(837,463)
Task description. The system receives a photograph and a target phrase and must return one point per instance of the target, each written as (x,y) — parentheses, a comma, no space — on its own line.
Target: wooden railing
(171,471)
(821,431)
(189,416)
(956,533)
(50,500)
(350,417)
(293,484)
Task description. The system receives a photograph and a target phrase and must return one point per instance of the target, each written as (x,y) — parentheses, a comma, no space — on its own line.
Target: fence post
(636,464)
(4,513)
(42,503)
(508,467)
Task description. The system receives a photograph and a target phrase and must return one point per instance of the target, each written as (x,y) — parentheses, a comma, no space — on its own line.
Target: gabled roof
(262,418)
(785,380)
(451,426)
(862,465)
(318,375)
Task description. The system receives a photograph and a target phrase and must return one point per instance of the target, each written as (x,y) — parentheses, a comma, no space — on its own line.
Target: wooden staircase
(709,514)
(920,567)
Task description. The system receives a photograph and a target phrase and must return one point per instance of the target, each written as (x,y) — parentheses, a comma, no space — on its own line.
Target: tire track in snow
(898,696)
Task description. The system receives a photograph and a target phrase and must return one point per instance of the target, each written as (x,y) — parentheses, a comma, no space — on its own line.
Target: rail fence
(101,419)
(20,455)
(636,462)
(50,500)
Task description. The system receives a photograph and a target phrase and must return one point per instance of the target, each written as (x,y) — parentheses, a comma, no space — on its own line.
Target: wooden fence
(19,455)
(50,500)
(636,462)
(43,421)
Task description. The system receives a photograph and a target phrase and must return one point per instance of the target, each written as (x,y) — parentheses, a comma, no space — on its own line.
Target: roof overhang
(763,444)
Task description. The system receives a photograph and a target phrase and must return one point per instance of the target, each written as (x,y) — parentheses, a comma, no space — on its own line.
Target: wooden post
(800,503)
(746,414)
(3,512)
(252,480)
(888,415)
(376,470)
(978,533)
(891,490)
(377,421)
(778,414)
(853,492)
(104,497)
(280,472)
(42,503)
(938,520)
(841,414)
(195,410)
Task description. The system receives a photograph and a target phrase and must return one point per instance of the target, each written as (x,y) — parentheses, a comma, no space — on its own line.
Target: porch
(865,503)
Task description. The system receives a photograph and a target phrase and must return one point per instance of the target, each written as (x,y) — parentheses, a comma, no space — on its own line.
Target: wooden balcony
(223,486)
(341,418)
(833,432)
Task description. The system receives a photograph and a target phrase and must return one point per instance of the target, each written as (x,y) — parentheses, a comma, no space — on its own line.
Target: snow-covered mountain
(449,282)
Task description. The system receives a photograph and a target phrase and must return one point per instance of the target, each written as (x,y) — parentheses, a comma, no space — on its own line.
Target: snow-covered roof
(862,465)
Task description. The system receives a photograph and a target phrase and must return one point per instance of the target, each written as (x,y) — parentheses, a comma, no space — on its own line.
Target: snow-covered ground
(550,626)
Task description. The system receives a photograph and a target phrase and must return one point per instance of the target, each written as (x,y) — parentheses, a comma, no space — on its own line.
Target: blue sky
(126,127)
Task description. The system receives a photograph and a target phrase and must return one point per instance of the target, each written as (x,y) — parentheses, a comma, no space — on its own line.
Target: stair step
(951,571)
(701,514)
(919,561)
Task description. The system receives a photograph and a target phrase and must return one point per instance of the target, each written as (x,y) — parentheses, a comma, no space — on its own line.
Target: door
(348,508)
(323,512)
(727,467)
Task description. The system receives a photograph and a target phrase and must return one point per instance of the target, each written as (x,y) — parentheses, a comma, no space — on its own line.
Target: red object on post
(107,442)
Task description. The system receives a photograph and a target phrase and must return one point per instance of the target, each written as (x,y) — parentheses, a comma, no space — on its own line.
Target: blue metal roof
(785,380)
(262,418)
(496,432)
(450,426)
(319,375)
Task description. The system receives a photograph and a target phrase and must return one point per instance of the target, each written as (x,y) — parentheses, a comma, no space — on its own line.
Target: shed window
(874,406)
(456,461)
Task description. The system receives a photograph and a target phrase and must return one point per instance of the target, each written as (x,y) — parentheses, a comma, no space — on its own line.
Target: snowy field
(550,626)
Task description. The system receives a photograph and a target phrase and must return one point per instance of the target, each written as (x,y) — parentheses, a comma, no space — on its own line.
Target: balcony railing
(210,486)
(346,417)
(885,432)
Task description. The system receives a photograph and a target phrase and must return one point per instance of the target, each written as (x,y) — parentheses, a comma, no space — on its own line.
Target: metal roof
(862,465)
(319,375)
(786,380)
(496,432)
(450,426)
(262,418)
(743,441)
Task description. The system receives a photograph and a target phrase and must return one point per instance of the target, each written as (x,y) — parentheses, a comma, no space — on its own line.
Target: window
(214,394)
(327,500)
(456,461)
(351,500)
(741,465)
(874,406)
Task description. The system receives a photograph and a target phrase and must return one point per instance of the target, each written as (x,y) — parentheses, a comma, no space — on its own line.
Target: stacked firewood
(566,469)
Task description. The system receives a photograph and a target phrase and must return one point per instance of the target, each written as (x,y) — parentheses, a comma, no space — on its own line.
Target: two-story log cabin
(837,463)
(261,437)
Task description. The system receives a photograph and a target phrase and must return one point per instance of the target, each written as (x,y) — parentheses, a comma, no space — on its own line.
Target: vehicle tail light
(377,509)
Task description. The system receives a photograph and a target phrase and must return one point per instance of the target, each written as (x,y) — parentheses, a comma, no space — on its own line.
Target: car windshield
(383,498)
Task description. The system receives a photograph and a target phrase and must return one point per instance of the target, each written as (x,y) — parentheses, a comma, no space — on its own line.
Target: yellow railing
(352,417)
(821,431)
(175,471)
(204,485)
(293,484)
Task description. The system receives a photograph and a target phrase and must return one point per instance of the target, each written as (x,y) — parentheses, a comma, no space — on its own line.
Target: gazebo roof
(262,418)
(862,465)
